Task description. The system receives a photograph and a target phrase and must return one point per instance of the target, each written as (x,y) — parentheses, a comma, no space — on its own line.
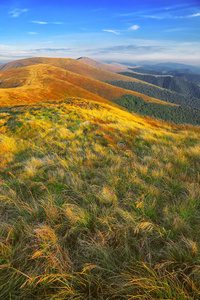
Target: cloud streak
(52,49)
(129,49)
(15,13)
(154,17)
(39,22)
(57,23)
(170,16)
(110,31)
(45,23)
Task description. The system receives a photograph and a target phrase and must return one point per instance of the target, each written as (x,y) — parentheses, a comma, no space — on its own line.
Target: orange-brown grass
(79,68)
(42,82)
(103,66)
(97,203)
(69,64)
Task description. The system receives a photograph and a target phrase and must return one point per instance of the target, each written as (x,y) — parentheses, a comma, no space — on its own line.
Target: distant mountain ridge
(165,87)
(166,81)
(174,66)
(190,73)
(172,83)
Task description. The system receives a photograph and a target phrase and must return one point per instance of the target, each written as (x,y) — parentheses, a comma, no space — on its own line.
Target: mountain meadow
(99,185)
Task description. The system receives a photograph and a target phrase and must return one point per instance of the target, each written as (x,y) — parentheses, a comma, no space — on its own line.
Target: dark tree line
(168,113)
(158,93)
(172,83)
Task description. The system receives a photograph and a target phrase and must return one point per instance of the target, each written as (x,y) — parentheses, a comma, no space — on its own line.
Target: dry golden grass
(107,209)
(68,64)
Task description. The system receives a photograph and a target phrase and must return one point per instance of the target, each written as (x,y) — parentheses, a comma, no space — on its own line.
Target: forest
(172,83)
(168,113)
(158,93)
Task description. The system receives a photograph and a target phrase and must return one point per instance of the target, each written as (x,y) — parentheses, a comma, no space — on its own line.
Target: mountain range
(39,79)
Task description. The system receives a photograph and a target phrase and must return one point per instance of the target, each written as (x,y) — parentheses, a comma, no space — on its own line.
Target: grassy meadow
(97,203)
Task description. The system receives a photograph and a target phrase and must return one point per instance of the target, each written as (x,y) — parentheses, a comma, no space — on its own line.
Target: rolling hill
(32,80)
(73,65)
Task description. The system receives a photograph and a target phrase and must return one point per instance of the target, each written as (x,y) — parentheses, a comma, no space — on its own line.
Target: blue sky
(106,30)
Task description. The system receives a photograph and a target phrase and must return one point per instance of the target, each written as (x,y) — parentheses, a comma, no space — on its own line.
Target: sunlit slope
(72,65)
(97,203)
(38,83)
(103,66)
(41,82)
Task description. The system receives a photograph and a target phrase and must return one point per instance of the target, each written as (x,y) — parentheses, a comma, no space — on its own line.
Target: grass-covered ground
(107,209)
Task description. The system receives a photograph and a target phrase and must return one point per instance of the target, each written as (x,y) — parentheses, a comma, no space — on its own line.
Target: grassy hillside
(38,83)
(73,65)
(41,82)
(97,203)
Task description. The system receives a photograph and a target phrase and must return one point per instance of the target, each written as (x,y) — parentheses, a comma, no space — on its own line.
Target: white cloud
(111,31)
(194,15)
(44,23)
(134,27)
(39,22)
(31,32)
(15,13)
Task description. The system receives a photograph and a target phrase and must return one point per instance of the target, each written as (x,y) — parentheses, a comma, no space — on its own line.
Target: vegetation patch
(168,113)
(159,93)
(109,210)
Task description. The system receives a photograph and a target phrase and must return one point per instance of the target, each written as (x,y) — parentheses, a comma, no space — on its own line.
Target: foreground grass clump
(97,203)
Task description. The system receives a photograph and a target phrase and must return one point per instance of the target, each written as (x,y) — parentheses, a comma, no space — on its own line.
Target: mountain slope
(103,66)
(154,86)
(97,203)
(41,82)
(68,64)
(38,83)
